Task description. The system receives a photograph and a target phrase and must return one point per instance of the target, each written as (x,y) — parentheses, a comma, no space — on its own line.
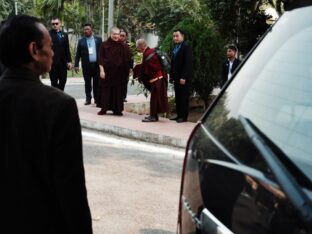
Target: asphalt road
(75,87)
(133,187)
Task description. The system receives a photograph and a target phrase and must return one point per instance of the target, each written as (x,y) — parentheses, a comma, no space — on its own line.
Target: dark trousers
(91,74)
(159,98)
(58,76)
(126,87)
(182,100)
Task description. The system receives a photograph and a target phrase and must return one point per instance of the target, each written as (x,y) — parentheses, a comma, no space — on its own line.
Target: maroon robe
(156,81)
(115,58)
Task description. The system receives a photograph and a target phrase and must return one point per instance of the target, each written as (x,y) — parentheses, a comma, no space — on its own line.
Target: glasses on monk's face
(55,23)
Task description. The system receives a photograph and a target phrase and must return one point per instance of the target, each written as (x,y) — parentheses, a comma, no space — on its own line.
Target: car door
(248,166)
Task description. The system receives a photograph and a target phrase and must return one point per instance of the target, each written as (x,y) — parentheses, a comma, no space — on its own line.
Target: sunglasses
(55,23)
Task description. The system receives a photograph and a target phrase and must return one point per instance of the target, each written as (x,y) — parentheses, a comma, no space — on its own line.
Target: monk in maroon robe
(151,74)
(114,63)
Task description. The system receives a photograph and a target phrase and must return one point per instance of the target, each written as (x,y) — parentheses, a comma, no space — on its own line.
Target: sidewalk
(130,125)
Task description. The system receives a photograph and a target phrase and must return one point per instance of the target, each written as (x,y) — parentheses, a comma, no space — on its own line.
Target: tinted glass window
(274,91)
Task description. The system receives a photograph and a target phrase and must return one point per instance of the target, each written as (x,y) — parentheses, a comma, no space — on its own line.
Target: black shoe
(175,118)
(87,102)
(150,119)
(180,120)
(101,112)
(117,113)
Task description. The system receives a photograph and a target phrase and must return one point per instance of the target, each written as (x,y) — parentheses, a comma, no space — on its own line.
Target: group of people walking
(106,67)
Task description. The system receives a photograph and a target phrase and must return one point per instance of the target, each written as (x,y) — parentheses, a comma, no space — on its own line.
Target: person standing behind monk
(151,73)
(114,66)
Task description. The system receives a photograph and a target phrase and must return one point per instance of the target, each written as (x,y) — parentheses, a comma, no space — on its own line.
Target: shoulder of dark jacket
(185,44)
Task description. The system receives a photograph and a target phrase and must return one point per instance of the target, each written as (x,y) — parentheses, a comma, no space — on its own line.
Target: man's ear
(33,50)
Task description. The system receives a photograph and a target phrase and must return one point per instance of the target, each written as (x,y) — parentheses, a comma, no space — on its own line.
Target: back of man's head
(15,36)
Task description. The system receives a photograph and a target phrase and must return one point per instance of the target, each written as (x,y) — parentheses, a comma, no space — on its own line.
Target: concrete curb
(134,134)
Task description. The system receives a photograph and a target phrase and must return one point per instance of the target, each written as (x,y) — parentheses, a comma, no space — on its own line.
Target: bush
(208,53)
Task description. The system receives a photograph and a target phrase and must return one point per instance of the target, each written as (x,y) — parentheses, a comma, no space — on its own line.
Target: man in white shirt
(229,66)
(88,51)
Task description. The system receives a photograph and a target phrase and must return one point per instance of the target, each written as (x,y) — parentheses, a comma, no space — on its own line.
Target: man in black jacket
(2,67)
(124,39)
(61,59)
(88,50)
(42,173)
(181,74)
(229,66)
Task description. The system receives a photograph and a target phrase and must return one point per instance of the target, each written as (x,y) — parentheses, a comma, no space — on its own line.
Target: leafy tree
(209,23)
(51,8)
(157,16)
(6,8)
(242,22)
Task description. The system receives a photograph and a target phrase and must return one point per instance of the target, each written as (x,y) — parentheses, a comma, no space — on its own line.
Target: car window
(274,91)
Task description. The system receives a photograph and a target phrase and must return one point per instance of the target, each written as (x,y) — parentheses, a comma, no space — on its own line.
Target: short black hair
(232,47)
(180,31)
(124,30)
(56,18)
(15,36)
(87,25)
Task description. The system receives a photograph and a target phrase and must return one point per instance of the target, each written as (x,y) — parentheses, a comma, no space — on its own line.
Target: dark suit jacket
(61,50)
(42,174)
(83,52)
(182,63)
(225,70)
(2,68)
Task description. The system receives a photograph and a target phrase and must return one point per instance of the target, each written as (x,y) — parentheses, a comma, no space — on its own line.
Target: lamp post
(103,20)
(110,15)
(15,7)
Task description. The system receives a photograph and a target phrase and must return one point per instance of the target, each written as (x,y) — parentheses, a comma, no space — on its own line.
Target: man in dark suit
(61,59)
(2,67)
(181,74)
(229,66)
(88,51)
(42,173)
(124,39)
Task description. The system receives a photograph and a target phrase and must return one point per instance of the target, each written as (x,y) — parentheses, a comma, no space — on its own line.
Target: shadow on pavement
(154,231)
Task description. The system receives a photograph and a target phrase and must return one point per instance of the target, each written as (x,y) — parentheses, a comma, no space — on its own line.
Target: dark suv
(248,164)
